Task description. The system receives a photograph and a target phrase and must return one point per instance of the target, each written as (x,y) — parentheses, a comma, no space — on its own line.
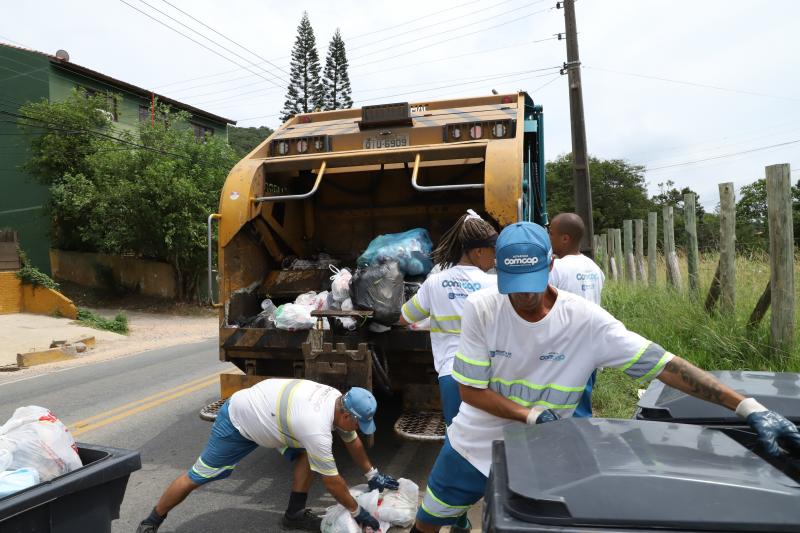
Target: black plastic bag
(379,288)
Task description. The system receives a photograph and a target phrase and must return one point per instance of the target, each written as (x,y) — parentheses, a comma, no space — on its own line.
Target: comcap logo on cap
(513,261)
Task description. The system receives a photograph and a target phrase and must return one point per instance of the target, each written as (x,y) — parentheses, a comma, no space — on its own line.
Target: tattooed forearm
(696,382)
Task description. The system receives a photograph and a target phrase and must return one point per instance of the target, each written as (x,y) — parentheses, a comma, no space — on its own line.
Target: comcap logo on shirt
(552,356)
(500,353)
(587,276)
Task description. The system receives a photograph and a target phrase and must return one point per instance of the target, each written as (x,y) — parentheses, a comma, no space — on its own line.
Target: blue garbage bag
(411,249)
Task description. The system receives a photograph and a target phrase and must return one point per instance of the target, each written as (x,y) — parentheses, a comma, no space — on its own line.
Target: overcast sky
(733,65)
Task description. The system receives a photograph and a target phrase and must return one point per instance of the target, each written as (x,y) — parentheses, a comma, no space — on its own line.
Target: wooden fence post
(613,267)
(618,252)
(601,257)
(671,258)
(781,257)
(727,248)
(652,248)
(630,267)
(638,229)
(692,252)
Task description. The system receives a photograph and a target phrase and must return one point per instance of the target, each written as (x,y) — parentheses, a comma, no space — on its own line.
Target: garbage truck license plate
(385,141)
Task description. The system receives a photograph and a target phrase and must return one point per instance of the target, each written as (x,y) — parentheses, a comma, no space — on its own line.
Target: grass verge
(119,324)
(678,321)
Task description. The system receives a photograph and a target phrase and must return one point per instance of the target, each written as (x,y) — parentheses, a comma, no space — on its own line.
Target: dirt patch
(148,331)
(93,298)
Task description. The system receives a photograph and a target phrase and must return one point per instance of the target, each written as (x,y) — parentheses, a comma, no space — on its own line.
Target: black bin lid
(779,391)
(653,475)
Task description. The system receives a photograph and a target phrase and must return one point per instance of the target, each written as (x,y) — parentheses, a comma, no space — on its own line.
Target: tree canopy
(145,193)
(305,92)
(336,81)
(243,140)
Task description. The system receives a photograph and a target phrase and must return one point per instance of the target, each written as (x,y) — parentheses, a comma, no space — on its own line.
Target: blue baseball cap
(523,254)
(361,404)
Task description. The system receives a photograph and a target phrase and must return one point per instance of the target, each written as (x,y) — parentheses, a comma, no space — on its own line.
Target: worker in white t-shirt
(465,253)
(525,354)
(297,418)
(574,272)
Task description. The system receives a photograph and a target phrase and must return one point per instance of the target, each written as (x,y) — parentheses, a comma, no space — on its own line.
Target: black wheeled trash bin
(594,475)
(85,500)
(779,391)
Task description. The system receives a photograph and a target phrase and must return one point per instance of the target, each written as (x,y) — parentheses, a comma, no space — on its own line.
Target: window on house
(113,112)
(144,113)
(200,131)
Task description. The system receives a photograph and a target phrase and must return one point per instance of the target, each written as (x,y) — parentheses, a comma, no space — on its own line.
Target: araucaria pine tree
(305,92)
(336,80)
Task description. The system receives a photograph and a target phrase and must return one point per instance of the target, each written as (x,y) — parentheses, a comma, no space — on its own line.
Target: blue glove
(381,481)
(364,519)
(537,415)
(771,427)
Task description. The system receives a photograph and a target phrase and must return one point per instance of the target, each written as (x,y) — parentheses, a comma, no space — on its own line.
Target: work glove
(540,415)
(770,427)
(364,519)
(381,481)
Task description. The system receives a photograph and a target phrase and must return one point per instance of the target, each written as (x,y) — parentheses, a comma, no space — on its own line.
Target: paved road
(149,402)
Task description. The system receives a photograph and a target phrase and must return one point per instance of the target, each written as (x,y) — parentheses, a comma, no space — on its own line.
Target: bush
(119,324)
(33,276)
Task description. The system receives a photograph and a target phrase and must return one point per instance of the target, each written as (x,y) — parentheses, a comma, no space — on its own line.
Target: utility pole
(580,159)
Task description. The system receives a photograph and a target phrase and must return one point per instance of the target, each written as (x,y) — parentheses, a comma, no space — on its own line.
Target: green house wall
(23,77)
(28,76)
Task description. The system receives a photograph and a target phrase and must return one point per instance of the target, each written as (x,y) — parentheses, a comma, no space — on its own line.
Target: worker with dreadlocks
(464,254)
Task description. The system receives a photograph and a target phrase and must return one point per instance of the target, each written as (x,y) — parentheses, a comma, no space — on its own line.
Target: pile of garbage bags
(35,447)
(390,508)
(378,284)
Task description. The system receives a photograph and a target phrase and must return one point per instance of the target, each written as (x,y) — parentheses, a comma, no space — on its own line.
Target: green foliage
(336,81)
(119,324)
(146,193)
(618,190)
(707,225)
(33,276)
(305,92)
(243,140)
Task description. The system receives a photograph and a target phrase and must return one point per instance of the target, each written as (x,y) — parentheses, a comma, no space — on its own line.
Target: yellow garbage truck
(325,184)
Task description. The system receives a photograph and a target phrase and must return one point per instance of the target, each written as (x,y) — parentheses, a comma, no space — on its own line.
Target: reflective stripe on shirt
(413,312)
(446,324)
(647,361)
(284,403)
(470,371)
(527,394)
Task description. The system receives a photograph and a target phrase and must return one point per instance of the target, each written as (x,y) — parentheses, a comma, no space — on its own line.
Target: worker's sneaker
(460,527)
(146,527)
(304,520)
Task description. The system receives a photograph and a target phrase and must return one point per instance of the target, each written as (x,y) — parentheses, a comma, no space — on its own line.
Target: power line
(87,131)
(226,58)
(436,24)
(685,163)
(453,38)
(693,84)
(455,29)
(225,37)
(483,78)
(537,41)
(275,76)
(426,16)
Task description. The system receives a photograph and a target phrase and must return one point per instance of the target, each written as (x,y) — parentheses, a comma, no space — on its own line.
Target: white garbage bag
(390,508)
(340,283)
(399,507)
(5,459)
(307,298)
(13,481)
(294,317)
(37,439)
